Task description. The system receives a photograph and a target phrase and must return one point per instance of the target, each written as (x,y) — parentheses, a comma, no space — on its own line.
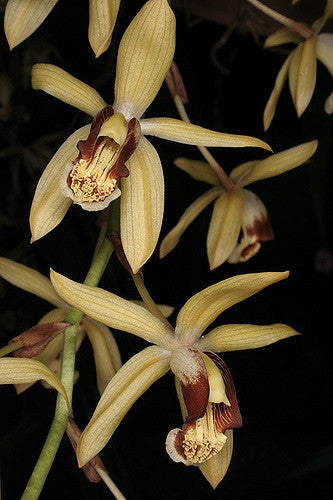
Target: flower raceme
(23,17)
(112,152)
(204,384)
(301,65)
(239,220)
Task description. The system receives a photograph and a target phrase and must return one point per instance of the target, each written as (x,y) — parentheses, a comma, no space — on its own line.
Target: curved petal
(281,36)
(60,84)
(23,17)
(30,280)
(198,170)
(224,227)
(172,238)
(49,205)
(103,345)
(129,383)
(23,371)
(144,57)
(276,92)
(102,18)
(216,468)
(241,170)
(204,307)
(307,75)
(142,205)
(279,163)
(240,337)
(295,59)
(113,311)
(187,133)
(165,309)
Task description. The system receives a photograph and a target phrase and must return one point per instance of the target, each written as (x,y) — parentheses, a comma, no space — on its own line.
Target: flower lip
(91,180)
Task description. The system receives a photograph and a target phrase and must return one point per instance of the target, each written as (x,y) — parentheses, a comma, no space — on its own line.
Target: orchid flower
(114,147)
(205,385)
(23,17)
(239,220)
(301,65)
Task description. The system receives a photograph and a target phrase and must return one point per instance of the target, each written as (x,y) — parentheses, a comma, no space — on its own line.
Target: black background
(284,389)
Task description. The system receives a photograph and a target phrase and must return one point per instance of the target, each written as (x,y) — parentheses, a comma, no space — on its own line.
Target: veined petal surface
(129,383)
(295,59)
(224,227)
(49,205)
(204,307)
(279,163)
(281,36)
(187,133)
(142,205)
(144,57)
(241,170)
(113,311)
(102,18)
(23,17)
(30,280)
(216,468)
(307,75)
(60,84)
(240,337)
(198,170)
(276,92)
(172,238)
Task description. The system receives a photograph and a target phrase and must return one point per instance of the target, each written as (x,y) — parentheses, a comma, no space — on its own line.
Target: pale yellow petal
(102,18)
(187,133)
(23,17)
(144,57)
(280,162)
(307,75)
(204,307)
(67,88)
(30,280)
(198,170)
(142,205)
(224,227)
(275,95)
(22,371)
(325,50)
(239,337)
(172,238)
(49,205)
(281,36)
(103,355)
(113,311)
(295,59)
(240,171)
(129,383)
(216,468)
(165,309)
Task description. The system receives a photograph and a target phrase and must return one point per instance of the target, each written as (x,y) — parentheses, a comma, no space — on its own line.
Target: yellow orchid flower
(301,65)
(238,213)
(204,383)
(23,17)
(114,146)
(106,353)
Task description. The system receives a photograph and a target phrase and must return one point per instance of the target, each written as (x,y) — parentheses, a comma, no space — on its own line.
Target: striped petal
(106,352)
(102,18)
(142,205)
(275,95)
(198,170)
(165,309)
(113,311)
(281,36)
(240,337)
(67,88)
(279,163)
(30,280)
(187,133)
(295,59)
(216,467)
(224,227)
(237,173)
(307,75)
(23,17)
(204,307)
(23,371)
(144,57)
(129,383)
(172,238)
(49,205)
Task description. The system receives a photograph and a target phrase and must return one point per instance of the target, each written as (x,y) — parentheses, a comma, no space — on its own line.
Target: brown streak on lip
(88,147)
(196,395)
(261,229)
(249,251)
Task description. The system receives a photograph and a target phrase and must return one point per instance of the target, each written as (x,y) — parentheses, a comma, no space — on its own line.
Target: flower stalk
(59,423)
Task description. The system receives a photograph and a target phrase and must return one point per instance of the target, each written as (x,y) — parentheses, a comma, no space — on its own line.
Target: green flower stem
(59,424)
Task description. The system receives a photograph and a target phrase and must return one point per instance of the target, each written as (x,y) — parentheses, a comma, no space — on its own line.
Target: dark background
(283,390)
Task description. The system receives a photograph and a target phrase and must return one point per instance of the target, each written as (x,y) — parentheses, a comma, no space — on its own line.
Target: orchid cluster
(110,167)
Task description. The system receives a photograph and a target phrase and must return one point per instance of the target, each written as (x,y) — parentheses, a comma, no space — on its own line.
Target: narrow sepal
(102,18)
